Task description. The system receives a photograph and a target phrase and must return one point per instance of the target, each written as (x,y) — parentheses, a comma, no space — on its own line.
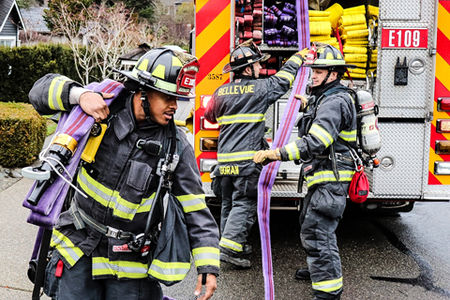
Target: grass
(51,127)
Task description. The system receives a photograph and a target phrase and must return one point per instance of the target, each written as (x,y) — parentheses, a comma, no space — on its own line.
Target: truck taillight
(443,125)
(205,125)
(208,144)
(442,167)
(204,99)
(442,147)
(207,164)
(443,104)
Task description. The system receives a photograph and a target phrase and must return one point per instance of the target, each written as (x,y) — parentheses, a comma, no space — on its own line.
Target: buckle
(113,232)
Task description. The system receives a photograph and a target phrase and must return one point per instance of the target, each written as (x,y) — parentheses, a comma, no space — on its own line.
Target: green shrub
(22,134)
(24,65)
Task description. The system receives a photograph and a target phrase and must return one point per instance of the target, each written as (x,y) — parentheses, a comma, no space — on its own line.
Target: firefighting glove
(265,157)
(304,101)
(303,53)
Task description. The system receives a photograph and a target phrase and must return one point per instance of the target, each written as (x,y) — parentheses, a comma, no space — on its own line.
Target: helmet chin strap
(146,106)
(324,81)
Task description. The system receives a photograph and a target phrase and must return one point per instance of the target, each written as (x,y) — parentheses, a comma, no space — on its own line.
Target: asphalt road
(404,257)
(399,257)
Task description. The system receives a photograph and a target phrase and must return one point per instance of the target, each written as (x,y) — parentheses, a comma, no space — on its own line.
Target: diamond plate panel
(397,10)
(411,100)
(402,143)
(415,99)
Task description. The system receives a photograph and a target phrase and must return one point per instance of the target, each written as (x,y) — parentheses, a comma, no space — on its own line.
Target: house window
(9,41)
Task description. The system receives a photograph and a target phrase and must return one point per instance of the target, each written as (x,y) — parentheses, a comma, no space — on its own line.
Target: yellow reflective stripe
(172,87)
(146,204)
(192,202)
(204,256)
(111,199)
(349,136)
(328,285)
(235,156)
(94,189)
(328,176)
(224,242)
(292,151)
(286,75)
(321,134)
(65,247)
(169,271)
(143,65)
(55,91)
(296,59)
(240,118)
(159,71)
(102,266)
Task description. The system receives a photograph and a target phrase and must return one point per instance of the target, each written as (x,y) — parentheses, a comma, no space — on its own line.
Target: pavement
(17,240)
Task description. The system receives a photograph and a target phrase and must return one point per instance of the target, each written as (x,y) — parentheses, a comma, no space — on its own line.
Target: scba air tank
(370,139)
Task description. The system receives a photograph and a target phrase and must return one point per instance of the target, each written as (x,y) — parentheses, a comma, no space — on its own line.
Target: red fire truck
(410,46)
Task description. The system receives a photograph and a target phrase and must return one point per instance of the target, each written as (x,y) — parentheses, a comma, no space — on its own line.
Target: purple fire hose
(78,125)
(269,172)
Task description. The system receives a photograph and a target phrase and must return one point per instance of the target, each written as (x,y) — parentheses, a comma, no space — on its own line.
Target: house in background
(10,23)
(37,30)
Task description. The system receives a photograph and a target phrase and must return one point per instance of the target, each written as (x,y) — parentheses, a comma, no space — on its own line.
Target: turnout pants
(322,210)
(76,283)
(238,214)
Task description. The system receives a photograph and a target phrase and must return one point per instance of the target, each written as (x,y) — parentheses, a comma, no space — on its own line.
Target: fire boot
(302,274)
(234,258)
(247,249)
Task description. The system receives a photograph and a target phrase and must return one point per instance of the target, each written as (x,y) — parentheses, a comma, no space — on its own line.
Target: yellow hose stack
(320,29)
(372,18)
(354,25)
(354,34)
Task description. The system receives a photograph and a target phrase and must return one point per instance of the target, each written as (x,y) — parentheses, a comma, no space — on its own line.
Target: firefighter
(326,132)
(239,108)
(116,190)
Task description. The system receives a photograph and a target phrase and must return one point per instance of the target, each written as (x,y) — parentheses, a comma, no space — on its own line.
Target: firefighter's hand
(304,101)
(267,156)
(303,53)
(94,105)
(210,287)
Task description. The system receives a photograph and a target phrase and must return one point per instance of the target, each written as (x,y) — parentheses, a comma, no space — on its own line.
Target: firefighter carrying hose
(239,108)
(100,250)
(326,131)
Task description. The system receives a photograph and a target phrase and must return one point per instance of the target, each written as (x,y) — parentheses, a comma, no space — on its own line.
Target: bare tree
(98,35)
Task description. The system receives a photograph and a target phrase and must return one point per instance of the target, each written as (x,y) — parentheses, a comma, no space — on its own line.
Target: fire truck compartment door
(401,169)
(410,29)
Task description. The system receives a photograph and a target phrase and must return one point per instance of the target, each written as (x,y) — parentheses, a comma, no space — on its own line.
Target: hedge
(22,66)
(22,134)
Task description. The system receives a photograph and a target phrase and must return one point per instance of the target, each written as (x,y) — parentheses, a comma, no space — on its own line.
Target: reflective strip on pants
(226,243)
(328,286)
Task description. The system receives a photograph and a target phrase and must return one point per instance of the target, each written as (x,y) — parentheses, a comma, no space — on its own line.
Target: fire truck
(407,76)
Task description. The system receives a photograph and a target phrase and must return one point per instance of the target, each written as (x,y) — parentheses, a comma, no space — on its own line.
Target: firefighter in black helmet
(239,108)
(326,133)
(92,263)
